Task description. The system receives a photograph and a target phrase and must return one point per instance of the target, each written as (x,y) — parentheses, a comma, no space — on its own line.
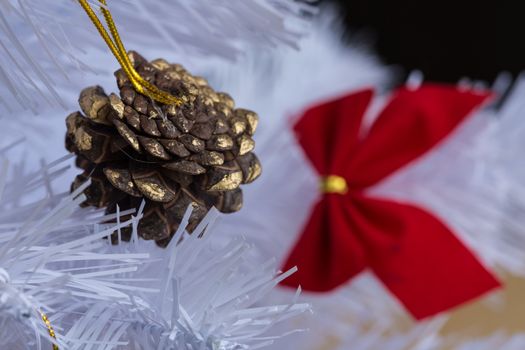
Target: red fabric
(412,252)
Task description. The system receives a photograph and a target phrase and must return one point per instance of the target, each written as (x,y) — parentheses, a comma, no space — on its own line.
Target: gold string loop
(118,50)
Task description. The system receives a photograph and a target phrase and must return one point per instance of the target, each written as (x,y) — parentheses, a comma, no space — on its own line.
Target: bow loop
(326,261)
(417,257)
(329,133)
(411,124)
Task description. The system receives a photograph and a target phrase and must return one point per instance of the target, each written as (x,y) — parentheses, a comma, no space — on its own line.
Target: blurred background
(447,40)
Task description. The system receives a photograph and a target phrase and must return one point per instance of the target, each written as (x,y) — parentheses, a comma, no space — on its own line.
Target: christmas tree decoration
(349,230)
(63,289)
(169,138)
(198,153)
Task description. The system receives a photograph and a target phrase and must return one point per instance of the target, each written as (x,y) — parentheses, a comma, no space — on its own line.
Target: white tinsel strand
(192,295)
(211,297)
(52,266)
(43,42)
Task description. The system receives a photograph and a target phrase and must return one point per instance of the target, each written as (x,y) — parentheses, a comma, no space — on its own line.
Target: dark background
(445,39)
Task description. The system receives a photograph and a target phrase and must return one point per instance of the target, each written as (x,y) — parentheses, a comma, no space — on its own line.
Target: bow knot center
(333,184)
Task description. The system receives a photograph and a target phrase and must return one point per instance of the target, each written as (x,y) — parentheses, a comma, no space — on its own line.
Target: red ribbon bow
(413,253)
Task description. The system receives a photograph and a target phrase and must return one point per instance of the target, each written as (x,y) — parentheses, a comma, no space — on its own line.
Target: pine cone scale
(153,147)
(127,134)
(175,147)
(167,129)
(153,186)
(185,167)
(132,117)
(121,179)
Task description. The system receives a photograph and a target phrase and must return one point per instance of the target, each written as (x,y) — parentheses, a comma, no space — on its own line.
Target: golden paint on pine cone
(133,149)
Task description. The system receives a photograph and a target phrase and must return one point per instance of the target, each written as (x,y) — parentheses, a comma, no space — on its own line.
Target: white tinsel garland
(211,297)
(50,263)
(58,274)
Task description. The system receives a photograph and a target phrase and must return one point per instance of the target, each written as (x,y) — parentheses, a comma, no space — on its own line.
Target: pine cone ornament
(133,148)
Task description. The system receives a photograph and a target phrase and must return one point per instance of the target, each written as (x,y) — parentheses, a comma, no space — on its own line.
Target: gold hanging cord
(49,327)
(117,48)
